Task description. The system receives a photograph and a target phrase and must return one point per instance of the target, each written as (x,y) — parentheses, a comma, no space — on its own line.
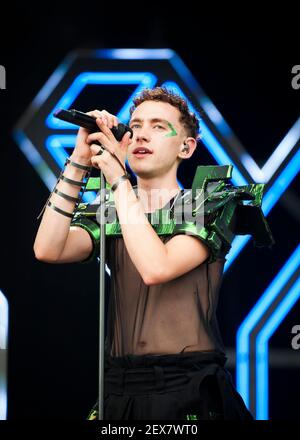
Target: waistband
(139,374)
(181,360)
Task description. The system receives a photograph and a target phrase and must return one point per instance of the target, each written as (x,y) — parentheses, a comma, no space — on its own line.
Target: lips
(142,150)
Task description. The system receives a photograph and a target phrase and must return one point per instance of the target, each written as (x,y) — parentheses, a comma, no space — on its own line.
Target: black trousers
(185,386)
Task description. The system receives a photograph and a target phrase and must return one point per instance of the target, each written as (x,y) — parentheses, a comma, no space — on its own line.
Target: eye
(135,126)
(159,126)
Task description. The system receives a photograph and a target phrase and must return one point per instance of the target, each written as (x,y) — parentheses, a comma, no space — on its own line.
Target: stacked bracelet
(61,211)
(72,182)
(81,183)
(78,165)
(66,196)
(116,182)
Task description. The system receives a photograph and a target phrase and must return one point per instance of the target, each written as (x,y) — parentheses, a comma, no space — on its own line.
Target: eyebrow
(153,120)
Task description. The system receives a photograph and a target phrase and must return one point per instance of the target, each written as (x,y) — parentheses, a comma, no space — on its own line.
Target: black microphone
(89,122)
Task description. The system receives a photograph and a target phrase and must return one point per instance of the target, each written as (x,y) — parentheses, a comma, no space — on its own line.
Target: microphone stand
(102,291)
(102,296)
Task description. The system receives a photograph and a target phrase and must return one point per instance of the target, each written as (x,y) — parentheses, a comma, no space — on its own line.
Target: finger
(109,118)
(95,162)
(105,129)
(113,121)
(105,120)
(82,133)
(94,113)
(110,122)
(103,114)
(92,137)
(125,140)
(96,149)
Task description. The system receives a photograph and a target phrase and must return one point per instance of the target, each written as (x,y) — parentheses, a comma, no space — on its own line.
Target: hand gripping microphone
(89,122)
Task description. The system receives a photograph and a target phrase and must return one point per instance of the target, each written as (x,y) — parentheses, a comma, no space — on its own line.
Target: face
(156,127)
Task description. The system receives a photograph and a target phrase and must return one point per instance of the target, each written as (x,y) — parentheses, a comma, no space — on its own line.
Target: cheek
(166,149)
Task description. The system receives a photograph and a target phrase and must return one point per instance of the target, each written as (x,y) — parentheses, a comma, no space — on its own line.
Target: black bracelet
(60,211)
(66,196)
(119,180)
(78,165)
(72,182)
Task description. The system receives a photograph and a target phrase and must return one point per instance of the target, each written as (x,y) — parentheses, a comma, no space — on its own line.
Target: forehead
(160,110)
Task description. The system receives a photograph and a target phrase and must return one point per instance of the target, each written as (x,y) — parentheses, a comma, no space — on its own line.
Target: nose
(141,138)
(142,135)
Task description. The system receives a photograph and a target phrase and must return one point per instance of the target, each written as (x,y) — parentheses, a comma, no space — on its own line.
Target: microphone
(89,122)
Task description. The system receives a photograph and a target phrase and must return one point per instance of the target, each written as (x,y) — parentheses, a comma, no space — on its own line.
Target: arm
(155,261)
(56,240)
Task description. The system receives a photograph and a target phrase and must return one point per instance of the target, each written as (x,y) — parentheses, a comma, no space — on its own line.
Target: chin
(138,170)
(143,171)
(144,174)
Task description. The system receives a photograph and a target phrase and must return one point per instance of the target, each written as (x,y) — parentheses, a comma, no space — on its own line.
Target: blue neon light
(3,347)
(3,321)
(135,54)
(124,113)
(51,83)
(288,143)
(143,79)
(35,159)
(281,183)
(262,384)
(237,245)
(281,152)
(252,319)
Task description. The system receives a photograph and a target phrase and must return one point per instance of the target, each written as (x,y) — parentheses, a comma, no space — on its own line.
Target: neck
(154,193)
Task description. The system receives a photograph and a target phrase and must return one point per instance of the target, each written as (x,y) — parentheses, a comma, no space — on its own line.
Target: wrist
(74,173)
(82,160)
(119,180)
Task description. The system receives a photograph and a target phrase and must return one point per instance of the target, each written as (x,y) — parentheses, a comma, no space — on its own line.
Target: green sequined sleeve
(92,227)
(85,217)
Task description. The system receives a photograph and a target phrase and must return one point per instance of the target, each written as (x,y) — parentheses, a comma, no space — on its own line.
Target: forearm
(147,252)
(54,227)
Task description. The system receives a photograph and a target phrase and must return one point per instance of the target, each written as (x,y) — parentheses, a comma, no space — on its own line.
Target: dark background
(243,62)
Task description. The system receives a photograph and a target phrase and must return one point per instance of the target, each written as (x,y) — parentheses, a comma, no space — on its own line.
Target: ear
(187,148)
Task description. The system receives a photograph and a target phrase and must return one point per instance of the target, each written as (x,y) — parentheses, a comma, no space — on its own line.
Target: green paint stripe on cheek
(173,131)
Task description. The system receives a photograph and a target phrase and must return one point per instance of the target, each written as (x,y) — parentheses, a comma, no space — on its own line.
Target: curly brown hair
(162,94)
